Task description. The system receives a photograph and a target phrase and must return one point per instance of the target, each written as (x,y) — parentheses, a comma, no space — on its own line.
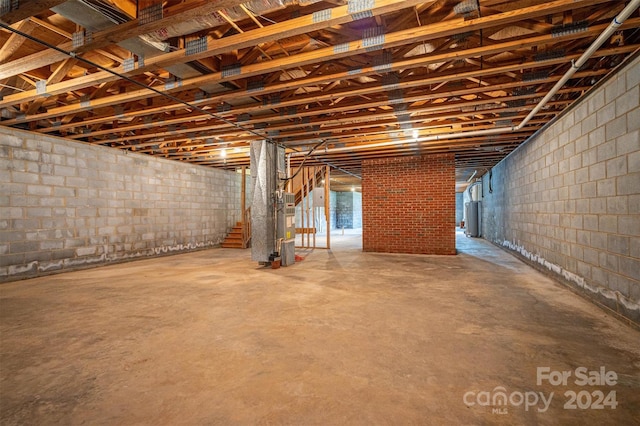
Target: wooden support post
(306,179)
(312,197)
(243,192)
(327,204)
(303,209)
(290,181)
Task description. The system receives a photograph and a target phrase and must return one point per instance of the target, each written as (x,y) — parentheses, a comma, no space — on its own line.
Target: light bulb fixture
(223,153)
(415,134)
(353,189)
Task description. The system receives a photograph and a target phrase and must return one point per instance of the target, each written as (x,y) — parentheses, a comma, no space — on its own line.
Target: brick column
(408,204)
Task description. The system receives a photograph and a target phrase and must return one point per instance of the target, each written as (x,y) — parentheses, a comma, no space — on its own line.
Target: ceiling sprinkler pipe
(575,66)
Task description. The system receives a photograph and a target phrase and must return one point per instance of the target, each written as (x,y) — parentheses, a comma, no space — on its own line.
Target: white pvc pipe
(604,36)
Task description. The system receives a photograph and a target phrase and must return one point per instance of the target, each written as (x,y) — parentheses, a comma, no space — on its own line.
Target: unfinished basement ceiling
(356,79)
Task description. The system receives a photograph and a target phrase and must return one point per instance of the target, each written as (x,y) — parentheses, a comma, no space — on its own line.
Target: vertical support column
(290,181)
(243,192)
(327,205)
(313,212)
(266,161)
(305,173)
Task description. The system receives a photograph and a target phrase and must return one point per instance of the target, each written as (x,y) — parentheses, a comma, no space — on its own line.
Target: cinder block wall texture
(569,199)
(65,205)
(408,205)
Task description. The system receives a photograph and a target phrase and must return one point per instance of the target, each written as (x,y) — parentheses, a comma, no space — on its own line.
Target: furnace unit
(286,230)
(273,224)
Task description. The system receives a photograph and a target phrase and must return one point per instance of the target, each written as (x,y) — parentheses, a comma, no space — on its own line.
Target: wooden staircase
(240,235)
(234,239)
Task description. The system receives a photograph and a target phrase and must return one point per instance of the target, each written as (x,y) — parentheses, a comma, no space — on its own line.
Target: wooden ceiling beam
(457,145)
(300,100)
(227,44)
(363,151)
(221,130)
(372,89)
(351,131)
(319,55)
(198,81)
(57,30)
(434,79)
(14,42)
(458,107)
(361,119)
(296,26)
(58,74)
(392,136)
(401,22)
(29,8)
(181,13)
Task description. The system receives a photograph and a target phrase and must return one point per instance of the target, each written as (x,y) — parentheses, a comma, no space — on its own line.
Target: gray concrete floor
(343,337)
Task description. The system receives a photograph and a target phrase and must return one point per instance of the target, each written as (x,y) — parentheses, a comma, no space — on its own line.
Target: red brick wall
(409,204)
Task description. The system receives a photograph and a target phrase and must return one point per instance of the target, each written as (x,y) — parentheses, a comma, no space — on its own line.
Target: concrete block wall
(344,210)
(357,209)
(568,200)
(333,201)
(341,205)
(348,210)
(408,204)
(65,204)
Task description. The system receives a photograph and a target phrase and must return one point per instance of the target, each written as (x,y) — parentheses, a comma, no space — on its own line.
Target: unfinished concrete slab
(343,337)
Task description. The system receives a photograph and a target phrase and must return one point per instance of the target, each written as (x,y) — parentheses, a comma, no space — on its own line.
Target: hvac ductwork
(97,15)
(215,19)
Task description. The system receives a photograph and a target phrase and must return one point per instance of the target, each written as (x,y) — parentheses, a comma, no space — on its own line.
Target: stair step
(232,245)
(235,238)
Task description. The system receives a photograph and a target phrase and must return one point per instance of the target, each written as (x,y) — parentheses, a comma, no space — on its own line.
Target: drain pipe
(575,66)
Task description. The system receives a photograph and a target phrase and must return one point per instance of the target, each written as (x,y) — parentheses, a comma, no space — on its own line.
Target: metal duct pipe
(613,26)
(85,14)
(215,19)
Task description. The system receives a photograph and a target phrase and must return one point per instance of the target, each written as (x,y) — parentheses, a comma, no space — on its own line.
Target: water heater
(472,213)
